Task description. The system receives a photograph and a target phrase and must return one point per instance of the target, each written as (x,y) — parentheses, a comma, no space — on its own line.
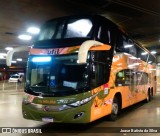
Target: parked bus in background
(82,68)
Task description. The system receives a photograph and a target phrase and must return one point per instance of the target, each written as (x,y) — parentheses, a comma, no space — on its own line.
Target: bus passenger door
(99,75)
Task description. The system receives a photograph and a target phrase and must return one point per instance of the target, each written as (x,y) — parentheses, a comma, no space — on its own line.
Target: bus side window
(142,78)
(123,44)
(125,78)
(119,78)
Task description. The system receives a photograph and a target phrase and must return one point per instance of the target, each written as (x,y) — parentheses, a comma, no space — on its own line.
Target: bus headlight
(82,102)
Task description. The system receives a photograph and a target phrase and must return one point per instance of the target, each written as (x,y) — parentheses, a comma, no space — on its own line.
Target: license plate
(47,119)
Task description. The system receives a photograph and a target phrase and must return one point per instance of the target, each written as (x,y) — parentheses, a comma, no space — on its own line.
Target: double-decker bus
(82,68)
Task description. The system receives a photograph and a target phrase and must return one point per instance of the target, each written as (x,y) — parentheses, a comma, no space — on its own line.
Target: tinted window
(151,59)
(50,29)
(104,34)
(69,28)
(60,76)
(125,78)
(129,77)
(142,78)
(143,55)
(124,44)
(78,28)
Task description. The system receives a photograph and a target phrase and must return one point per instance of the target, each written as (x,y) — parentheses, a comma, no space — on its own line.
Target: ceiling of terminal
(139,18)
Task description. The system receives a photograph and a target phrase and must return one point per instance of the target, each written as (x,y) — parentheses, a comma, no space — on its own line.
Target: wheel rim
(115,108)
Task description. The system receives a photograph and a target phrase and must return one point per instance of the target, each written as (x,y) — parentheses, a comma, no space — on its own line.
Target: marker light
(41,59)
(128,46)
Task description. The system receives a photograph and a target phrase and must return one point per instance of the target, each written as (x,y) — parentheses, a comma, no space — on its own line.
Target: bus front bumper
(79,114)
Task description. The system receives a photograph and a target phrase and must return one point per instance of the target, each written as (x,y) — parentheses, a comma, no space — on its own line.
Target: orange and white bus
(82,68)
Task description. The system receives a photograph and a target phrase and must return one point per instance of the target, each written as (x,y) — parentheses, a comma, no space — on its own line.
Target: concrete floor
(139,115)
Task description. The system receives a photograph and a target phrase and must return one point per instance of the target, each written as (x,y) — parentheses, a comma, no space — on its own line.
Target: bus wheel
(115,109)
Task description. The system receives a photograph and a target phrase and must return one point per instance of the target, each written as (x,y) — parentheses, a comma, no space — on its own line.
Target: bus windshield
(67,28)
(60,76)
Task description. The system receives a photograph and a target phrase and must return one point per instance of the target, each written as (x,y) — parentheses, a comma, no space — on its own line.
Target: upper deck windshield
(66,28)
(60,76)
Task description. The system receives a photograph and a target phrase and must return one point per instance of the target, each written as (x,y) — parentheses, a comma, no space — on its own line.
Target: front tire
(115,109)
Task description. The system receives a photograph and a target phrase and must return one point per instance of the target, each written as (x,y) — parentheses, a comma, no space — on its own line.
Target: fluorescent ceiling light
(2,57)
(13,61)
(150,62)
(25,37)
(3,54)
(33,30)
(128,46)
(144,53)
(9,48)
(153,52)
(19,59)
(133,58)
